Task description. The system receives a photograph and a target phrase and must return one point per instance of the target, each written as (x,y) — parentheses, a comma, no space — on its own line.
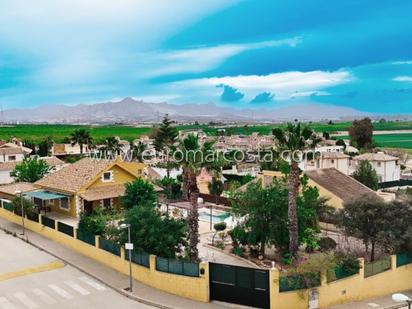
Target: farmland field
(37,133)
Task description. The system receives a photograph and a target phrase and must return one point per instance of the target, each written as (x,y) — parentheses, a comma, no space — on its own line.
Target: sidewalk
(385,302)
(115,280)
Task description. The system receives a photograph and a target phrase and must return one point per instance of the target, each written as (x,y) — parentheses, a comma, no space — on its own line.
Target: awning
(45,195)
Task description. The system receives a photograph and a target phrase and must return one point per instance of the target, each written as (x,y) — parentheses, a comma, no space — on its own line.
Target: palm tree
(192,157)
(295,140)
(112,145)
(81,137)
(138,150)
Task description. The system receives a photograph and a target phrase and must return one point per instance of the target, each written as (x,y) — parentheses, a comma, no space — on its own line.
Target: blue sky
(239,53)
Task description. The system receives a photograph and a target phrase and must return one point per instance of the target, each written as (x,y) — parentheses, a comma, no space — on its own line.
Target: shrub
(239,251)
(327,244)
(221,226)
(349,263)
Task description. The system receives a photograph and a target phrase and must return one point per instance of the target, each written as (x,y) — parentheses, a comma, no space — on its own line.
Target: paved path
(384,302)
(29,285)
(102,273)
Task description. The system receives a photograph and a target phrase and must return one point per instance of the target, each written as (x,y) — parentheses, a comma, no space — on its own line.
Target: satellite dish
(400,298)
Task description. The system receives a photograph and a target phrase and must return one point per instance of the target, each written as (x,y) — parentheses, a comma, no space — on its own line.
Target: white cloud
(403,79)
(403,62)
(284,85)
(201,59)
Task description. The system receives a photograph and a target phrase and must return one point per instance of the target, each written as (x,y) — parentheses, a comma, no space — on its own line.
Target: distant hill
(129,110)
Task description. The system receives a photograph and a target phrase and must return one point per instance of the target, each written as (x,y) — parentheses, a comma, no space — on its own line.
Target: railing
(109,246)
(298,282)
(177,267)
(339,273)
(66,229)
(377,267)
(140,258)
(46,221)
(86,237)
(32,216)
(403,259)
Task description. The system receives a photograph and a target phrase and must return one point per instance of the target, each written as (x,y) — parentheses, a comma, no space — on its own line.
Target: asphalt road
(30,279)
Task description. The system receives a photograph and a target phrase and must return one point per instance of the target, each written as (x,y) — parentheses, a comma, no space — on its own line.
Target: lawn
(395,140)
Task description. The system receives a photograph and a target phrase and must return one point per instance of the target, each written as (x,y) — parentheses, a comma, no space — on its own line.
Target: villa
(386,166)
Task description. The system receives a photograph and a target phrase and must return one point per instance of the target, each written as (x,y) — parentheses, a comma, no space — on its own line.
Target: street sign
(129,246)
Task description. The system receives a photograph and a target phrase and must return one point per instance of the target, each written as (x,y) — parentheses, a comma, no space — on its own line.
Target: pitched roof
(380,156)
(334,155)
(11,151)
(75,176)
(104,192)
(336,182)
(51,161)
(11,189)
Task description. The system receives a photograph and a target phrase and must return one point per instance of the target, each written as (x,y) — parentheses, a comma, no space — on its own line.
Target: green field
(37,133)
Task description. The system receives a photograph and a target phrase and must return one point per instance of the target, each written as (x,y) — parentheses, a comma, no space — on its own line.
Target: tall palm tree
(81,137)
(112,145)
(192,157)
(294,139)
(138,151)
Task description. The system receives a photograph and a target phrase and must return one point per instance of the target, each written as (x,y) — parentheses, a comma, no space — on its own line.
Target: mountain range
(130,110)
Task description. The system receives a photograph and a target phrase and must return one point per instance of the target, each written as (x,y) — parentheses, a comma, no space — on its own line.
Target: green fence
(65,229)
(403,259)
(8,206)
(109,246)
(140,258)
(298,282)
(86,237)
(339,273)
(48,222)
(177,267)
(377,267)
(32,216)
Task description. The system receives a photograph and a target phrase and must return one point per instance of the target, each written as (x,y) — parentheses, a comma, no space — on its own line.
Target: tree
(139,192)
(31,170)
(153,233)
(361,133)
(326,135)
(216,188)
(341,142)
(112,146)
(45,147)
(364,217)
(28,206)
(366,174)
(94,223)
(138,151)
(294,139)
(165,139)
(265,213)
(81,137)
(193,157)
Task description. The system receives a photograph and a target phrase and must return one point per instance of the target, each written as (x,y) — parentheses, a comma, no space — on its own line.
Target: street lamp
(129,247)
(20,194)
(402,298)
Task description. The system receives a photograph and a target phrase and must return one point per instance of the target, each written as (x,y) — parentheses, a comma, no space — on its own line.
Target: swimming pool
(216,217)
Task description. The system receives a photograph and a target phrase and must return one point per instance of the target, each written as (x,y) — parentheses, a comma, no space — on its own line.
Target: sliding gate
(239,285)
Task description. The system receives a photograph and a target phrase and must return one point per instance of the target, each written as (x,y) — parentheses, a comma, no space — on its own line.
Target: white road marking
(60,291)
(77,287)
(44,297)
(25,300)
(5,304)
(92,283)
(373,305)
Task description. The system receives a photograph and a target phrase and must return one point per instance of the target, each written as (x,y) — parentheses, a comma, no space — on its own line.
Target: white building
(386,166)
(11,152)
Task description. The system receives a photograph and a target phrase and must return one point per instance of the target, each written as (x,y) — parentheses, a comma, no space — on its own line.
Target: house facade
(85,185)
(386,166)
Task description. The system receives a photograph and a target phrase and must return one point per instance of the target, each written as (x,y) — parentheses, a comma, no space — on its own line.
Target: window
(107,203)
(333,161)
(107,176)
(379,164)
(64,203)
(12,158)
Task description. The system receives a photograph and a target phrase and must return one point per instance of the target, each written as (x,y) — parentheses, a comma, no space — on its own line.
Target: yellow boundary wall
(350,289)
(188,287)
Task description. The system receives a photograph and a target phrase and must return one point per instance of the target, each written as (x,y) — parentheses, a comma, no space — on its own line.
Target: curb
(120,291)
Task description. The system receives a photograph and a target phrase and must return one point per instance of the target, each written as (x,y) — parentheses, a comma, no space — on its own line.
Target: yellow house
(331,183)
(85,185)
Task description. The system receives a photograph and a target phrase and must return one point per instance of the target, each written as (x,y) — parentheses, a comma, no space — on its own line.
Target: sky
(235,53)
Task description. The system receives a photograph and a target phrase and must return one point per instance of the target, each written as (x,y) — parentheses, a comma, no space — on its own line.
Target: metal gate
(239,285)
